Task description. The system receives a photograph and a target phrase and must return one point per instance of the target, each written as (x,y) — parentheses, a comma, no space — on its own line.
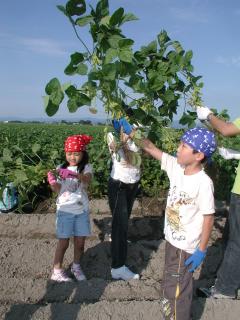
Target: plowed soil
(26,256)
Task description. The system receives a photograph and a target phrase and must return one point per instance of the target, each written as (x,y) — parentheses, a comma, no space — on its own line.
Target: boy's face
(185,155)
(74,158)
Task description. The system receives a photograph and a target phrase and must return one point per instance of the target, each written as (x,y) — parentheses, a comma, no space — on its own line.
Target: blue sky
(36,41)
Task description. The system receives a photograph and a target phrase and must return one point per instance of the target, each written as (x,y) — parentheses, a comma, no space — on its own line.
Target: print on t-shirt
(173,217)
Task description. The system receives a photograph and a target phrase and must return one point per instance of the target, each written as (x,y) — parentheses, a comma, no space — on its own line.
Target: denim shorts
(72,225)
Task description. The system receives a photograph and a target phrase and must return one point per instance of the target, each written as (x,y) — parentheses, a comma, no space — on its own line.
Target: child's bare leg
(59,253)
(78,248)
(78,251)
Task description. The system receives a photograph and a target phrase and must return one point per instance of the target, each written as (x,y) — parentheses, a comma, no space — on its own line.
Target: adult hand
(203,113)
(66,173)
(51,178)
(229,153)
(122,122)
(195,259)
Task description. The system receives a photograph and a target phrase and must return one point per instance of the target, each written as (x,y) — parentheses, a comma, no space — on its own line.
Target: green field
(28,151)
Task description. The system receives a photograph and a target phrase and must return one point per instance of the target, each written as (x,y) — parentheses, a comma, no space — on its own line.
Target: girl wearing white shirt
(122,190)
(72,218)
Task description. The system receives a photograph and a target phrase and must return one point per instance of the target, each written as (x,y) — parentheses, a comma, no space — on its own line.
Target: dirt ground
(27,249)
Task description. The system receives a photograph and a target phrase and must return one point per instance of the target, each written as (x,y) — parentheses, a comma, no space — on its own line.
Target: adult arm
(227,129)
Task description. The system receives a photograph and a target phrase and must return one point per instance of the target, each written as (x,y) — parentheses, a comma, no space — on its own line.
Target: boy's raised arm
(151,149)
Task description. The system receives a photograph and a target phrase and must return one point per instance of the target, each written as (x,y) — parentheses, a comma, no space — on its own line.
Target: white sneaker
(124,273)
(60,276)
(78,273)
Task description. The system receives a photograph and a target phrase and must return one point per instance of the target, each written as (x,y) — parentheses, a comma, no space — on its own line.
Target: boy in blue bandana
(189,217)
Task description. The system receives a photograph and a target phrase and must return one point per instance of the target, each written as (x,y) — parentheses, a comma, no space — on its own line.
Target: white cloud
(39,45)
(42,45)
(193,14)
(230,61)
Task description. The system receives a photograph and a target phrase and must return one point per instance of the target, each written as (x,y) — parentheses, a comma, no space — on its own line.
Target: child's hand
(51,178)
(195,259)
(66,173)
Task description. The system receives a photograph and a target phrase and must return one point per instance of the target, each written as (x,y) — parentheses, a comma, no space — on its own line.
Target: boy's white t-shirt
(120,169)
(73,196)
(190,197)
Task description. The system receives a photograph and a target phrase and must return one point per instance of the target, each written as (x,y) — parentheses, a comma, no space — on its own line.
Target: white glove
(203,113)
(229,153)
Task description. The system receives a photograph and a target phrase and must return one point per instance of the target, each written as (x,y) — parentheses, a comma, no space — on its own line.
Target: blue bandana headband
(201,140)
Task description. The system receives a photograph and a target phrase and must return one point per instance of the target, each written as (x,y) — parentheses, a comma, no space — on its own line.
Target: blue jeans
(228,276)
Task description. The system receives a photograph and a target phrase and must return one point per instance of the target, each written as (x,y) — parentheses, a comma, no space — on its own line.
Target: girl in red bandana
(72,205)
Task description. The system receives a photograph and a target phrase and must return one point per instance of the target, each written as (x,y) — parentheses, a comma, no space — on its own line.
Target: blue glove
(195,259)
(122,122)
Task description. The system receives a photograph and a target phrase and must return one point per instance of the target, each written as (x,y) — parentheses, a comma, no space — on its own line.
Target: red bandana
(77,143)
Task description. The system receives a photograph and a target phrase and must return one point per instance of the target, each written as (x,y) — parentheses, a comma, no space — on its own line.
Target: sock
(76,265)
(55,270)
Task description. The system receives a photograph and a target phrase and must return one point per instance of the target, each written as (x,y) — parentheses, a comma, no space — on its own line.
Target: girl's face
(74,158)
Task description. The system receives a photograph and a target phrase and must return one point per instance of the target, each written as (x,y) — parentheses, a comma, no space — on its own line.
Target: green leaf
(20,176)
(113,41)
(162,67)
(77,101)
(187,119)
(19,161)
(56,96)
(105,21)
(72,67)
(94,75)
(71,91)
(125,43)
(102,8)
(117,17)
(73,105)
(163,38)
(109,71)
(126,55)
(84,99)
(52,86)
(82,69)
(83,21)
(51,108)
(62,9)
(169,95)
(77,57)
(53,89)
(76,7)
(36,147)
(188,56)
(70,70)
(177,46)
(152,47)
(129,17)
(7,155)
(110,55)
